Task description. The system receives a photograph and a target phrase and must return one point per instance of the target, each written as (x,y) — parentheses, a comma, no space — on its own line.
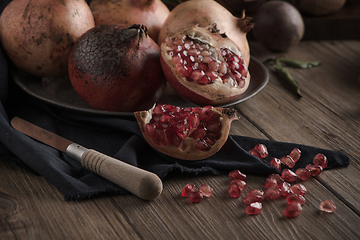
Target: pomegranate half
(204,66)
(190,133)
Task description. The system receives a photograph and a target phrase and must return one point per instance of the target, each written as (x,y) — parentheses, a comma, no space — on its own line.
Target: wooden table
(327,116)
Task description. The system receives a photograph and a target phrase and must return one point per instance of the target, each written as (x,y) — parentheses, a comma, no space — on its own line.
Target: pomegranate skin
(192,12)
(38,35)
(117,68)
(151,13)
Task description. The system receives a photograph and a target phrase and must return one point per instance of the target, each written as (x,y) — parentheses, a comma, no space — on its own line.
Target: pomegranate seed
(254,208)
(327,206)
(298,189)
(190,187)
(234,190)
(240,183)
(289,175)
(270,182)
(255,153)
(295,198)
(252,198)
(293,210)
(262,149)
(206,190)
(276,163)
(295,154)
(284,189)
(315,170)
(236,174)
(195,197)
(321,160)
(257,192)
(303,174)
(277,177)
(273,192)
(288,161)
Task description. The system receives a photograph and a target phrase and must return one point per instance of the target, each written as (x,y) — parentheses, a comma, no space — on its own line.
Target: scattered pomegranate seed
(270,182)
(289,175)
(295,154)
(315,170)
(257,192)
(298,189)
(284,189)
(303,173)
(321,160)
(293,210)
(255,153)
(295,198)
(254,208)
(248,199)
(327,206)
(276,163)
(262,149)
(288,161)
(277,177)
(206,190)
(236,174)
(190,187)
(240,183)
(273,192)
(234,190)
(195,197)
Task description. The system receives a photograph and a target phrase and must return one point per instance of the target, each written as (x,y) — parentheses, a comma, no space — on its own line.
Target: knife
(144,184)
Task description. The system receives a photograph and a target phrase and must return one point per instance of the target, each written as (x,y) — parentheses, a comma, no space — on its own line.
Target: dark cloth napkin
(120,138)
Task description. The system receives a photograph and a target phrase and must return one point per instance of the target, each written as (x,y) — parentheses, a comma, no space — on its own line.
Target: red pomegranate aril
(262,149)
(298,189)
(257,192)
(295,154)
(295,198)
(254,208)
(284,189)
(187,189)
(195,197)
(273,192)
(303,173)
(234,190)
(327,206)
(206,190)
(293,210)
(248,199)
(270,182)
(315,170)
(276,163)
(277,177)
(236,174)
(321,160)
(255,153)
(288,161)
(289,175)
(242,184)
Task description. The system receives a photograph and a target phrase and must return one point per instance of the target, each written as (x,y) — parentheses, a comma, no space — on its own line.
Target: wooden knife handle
(146,185)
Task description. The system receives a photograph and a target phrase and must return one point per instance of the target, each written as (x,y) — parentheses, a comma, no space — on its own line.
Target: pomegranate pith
(191,133)
(204,66)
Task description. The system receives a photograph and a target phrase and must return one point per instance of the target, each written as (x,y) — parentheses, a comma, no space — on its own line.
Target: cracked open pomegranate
(190,133)
(204,66)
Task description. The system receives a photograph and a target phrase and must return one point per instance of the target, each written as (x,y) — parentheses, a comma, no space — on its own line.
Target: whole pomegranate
(151,13)
(205,12)
(279,25)
(190,133)
(204,66)
(38,35)
(117,68)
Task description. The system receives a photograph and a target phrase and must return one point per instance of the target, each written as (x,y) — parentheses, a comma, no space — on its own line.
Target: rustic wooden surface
(327,116)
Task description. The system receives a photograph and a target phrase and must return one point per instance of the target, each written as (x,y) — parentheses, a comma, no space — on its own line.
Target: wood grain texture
(327,116)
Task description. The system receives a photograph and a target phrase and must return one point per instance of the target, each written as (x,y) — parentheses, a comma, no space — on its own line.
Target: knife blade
(144,184)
